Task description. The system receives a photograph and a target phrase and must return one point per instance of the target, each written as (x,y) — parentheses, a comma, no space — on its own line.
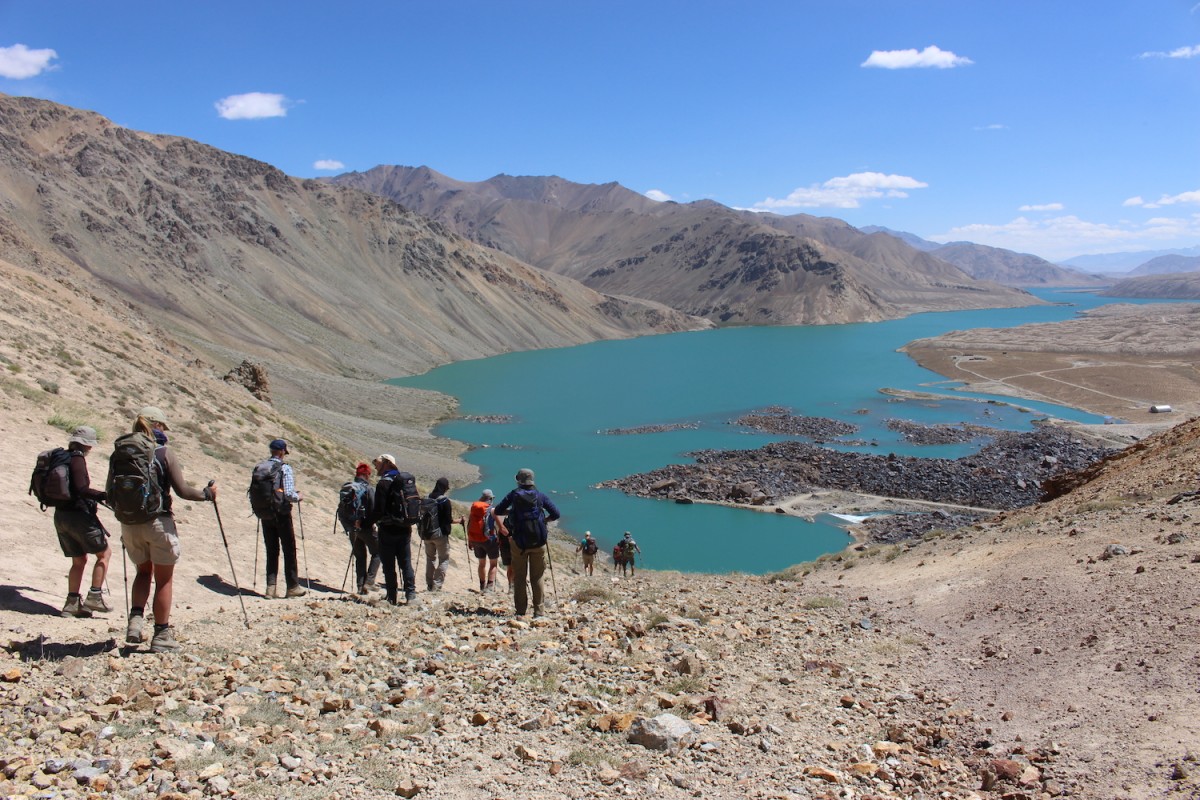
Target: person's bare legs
(75,574)
(162,575)
(100,570)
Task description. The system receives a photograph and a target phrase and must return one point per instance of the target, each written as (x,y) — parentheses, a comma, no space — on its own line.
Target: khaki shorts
(156,541)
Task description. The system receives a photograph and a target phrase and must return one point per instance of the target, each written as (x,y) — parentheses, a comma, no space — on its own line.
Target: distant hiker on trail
(483,539)
(395,527)
(628,548)
(272,494)
(588,547)
(355,501)
(80,532)
(526,511)
(435,536)
(142,473)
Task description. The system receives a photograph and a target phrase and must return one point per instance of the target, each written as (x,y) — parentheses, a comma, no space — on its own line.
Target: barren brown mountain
(701,258)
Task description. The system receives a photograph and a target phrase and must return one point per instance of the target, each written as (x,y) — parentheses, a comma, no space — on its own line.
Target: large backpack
(267,499)
(351,507)
(590,547)
(51,480)
(428,521)
(134,484)
(403,500)
(525,524)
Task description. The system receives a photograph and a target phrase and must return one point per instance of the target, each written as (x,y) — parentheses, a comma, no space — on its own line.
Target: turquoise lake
(561,400)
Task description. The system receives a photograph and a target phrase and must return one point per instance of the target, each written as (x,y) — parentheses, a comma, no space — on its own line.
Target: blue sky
(1054,127)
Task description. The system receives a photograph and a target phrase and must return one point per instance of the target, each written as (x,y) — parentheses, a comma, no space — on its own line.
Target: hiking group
(144,477)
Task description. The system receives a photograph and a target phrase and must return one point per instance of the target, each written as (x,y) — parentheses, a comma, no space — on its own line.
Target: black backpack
(525,524)
(351,508)
(590,547)
(134,485)
(429,523)
(403,500)
(51,480)
(267,500)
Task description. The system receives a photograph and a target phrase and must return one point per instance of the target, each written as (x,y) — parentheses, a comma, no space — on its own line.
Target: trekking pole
(303,546)
(221,528)
(550,562)
(125,573)
(257,539)
(346,577)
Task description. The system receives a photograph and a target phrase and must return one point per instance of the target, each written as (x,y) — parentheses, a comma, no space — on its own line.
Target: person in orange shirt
(483,540)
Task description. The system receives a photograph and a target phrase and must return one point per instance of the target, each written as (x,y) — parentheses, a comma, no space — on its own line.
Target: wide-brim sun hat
(84,435)
(385,458)
(488,493)
(155,414)
(525,477)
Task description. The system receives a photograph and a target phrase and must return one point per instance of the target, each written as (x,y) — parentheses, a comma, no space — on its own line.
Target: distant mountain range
(1124,262)
(1170,286)
(997,264)
(702,258)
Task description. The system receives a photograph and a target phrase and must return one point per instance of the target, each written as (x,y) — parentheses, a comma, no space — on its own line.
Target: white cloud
(328,163)
(252,105)
(1043,207)
(931,56)
(1066,236)
(19,62)
(845,192)
(659,195)
(1178,52)
(995,126)
(1165,200)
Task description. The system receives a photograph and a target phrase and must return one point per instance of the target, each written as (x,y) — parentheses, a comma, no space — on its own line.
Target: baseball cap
(84,435)
(155,414)
(525,477)
(280,445)
(362,469)
(488,494)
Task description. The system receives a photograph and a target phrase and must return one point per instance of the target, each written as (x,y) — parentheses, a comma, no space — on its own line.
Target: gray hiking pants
(437,562)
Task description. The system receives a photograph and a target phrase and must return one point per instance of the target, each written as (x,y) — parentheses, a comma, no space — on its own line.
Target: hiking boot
(410,597)
(164,640)
(133,631)
(96,602)
(271,593)
(74,607)
(296,591)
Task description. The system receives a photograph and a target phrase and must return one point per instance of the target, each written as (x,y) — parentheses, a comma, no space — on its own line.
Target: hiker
(629,547)
(437,546)
(80,532)
(619,556)
(272,495)
(355,501)
(526,511)
(587,547)
(153,545)
(483,540)
(395,533)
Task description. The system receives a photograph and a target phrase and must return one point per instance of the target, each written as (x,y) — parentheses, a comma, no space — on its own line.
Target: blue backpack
(525,519)
(351,506)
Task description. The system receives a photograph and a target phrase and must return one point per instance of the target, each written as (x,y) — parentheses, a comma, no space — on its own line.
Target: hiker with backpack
(524,512)
(588,547)
(437,518)
(483,539)
(395,511)
(272,494)
(142,474)
(60,480)
(355,501)
(628,548)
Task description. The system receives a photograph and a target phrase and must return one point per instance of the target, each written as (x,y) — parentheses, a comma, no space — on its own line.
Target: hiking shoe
(95,601)
(296,591)
(74,607)
(133,631)
(164,640)
(410,597)
(271,593)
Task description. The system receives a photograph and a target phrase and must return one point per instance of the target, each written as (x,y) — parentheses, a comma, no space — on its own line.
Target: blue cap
(280,445)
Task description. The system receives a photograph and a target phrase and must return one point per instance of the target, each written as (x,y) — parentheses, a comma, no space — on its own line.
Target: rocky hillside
(1166,264)
(700,258)
(1173,286)
(321,283)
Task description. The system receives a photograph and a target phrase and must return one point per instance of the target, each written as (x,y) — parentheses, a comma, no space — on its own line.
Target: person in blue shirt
(395,536)
(525,511)
(279,532)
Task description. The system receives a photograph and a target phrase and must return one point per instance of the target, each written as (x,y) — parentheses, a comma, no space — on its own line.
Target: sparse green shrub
(64,422)
(594,594)
(48,386)
(813,603)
